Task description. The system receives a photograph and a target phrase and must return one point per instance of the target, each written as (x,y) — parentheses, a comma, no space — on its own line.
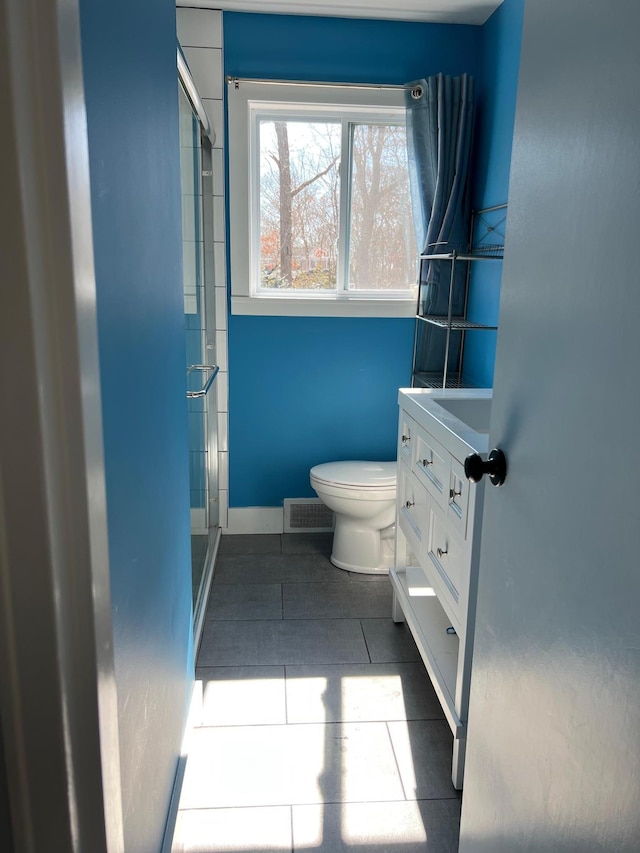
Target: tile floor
(320,730)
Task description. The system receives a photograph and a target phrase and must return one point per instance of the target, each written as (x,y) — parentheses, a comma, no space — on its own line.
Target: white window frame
(246,102)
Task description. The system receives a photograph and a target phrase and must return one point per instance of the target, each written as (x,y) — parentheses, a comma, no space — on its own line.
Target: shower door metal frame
(211,398)
(208,392)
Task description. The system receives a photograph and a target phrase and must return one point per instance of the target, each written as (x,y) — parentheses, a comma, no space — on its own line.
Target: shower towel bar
(214,372)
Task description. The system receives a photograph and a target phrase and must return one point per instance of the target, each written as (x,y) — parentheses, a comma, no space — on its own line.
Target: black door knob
(495,466)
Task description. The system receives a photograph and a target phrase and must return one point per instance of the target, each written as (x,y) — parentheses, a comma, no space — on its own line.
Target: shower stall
(196,140)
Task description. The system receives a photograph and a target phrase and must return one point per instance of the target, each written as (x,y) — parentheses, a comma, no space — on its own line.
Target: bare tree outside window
(300,206)
(382,239)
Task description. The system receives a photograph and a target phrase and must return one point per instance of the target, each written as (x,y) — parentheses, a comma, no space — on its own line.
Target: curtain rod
(416,91)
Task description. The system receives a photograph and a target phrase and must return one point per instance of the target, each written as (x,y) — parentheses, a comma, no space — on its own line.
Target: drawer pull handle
(427,462)
(406,438)
(441,553)
(409,504)
(453,494)
(495,466)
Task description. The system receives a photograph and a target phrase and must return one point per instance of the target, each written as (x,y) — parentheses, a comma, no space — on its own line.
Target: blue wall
(501,38)
(129,52)
(310,390)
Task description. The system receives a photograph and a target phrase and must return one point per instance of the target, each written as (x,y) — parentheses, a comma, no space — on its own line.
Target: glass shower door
(197,213)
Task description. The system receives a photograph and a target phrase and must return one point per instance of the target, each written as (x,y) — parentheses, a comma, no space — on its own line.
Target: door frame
(58,702)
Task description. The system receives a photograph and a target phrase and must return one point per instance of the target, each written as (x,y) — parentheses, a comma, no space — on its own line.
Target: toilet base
(361,570)
(365,551)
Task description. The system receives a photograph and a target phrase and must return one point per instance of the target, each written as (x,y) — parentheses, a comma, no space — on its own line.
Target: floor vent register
(307,515)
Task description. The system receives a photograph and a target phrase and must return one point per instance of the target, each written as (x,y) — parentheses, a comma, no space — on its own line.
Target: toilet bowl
(362,496)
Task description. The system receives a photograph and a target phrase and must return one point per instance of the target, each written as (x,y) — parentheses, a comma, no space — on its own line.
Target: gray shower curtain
(439,134)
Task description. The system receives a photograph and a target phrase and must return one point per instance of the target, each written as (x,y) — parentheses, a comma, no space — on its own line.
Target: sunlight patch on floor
(358,825)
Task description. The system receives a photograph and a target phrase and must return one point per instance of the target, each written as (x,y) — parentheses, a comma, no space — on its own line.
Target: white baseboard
(255,519)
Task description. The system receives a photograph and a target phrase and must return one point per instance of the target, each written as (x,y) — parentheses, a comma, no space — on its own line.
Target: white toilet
(362,495)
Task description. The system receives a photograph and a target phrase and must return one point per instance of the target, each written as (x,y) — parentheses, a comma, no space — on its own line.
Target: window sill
(268,306)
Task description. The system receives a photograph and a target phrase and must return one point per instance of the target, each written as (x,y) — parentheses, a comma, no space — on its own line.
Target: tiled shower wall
(200,34)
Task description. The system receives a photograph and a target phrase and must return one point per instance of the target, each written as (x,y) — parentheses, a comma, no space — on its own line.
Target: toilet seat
(379,477)
(354,493)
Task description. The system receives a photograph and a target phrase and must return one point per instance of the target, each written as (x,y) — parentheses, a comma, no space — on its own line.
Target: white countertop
(462,428)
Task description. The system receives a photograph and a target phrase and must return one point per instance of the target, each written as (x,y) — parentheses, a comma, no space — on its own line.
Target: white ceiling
(435,11)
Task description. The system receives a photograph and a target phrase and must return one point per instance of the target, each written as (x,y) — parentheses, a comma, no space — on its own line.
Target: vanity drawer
(413,512)
(458,504)
(432,465)
(406,435)
(449,557)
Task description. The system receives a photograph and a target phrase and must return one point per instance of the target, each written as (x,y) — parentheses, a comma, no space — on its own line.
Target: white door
(60,754)
(553,754)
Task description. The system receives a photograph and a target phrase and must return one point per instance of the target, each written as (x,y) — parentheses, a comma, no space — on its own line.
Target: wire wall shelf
(436,380)
(477,252)
(487,228)
(457,324)
(489,224)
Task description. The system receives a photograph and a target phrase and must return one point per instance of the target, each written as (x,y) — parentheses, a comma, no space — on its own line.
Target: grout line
(239,665)
(319,803)
(313,618)
(245,619)
(282,601)
(300,725)
(295,663)
(277,806)
(244,582)
(347,722)
(364,637)
(316,618)
(368,664)
(291,826)
(243,555)
(286,704)
(308,619)
(395,758)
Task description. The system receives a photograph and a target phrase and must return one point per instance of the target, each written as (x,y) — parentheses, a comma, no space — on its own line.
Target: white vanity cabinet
(438,523)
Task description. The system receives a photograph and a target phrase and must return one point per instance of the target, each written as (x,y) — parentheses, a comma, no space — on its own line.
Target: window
(320,213)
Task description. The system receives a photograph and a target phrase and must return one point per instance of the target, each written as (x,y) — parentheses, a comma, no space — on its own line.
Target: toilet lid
(361,474)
